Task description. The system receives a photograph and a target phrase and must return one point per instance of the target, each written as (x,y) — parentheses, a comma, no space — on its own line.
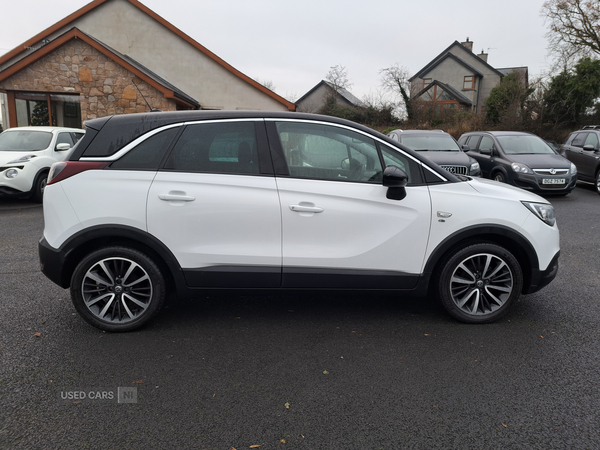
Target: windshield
(24,141)
(524,145)
(442,143)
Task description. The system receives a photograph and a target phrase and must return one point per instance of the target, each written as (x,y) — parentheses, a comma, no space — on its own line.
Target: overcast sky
(293,44)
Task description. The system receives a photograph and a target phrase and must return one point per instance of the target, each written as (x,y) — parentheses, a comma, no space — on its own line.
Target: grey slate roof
(347,95)
(443,54)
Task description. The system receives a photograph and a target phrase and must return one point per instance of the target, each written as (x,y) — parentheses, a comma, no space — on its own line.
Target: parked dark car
(554,146)
(582,149)
(521,159)
(439,147)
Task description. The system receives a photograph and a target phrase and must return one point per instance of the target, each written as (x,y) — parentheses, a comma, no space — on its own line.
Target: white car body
(276,230)
(29,165)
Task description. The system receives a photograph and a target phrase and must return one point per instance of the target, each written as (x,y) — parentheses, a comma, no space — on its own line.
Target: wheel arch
(506,237)
(502,170)
(82,244)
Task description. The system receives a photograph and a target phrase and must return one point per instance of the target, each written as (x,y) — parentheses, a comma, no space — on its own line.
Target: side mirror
(395,179)
(589,148)
(62,147)
(465,148)
(486,151)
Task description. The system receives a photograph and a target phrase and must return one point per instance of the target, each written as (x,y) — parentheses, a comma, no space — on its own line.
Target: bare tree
(338,77)
(574,29)
(266,83)
(394,79)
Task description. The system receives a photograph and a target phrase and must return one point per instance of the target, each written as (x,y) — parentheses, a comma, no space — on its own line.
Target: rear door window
(223,147)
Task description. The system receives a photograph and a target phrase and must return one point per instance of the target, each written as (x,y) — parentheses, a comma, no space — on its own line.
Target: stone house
(119,57)
(458,79)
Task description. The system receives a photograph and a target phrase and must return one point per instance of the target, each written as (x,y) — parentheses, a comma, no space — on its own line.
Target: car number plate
(553,181)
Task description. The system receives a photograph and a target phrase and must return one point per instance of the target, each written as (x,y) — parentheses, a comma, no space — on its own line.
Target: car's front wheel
(598,182)
(479,283)
(117,289)
(39,184)
(499,176)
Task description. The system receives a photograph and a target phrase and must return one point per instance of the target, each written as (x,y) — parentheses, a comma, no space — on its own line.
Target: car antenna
(151,109)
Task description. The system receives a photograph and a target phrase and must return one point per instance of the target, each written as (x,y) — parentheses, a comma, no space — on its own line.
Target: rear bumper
(52,263)
(541,278)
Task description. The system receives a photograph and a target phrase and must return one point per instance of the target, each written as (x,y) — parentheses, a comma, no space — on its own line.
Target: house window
(469,83)
(426,82)
(42,109)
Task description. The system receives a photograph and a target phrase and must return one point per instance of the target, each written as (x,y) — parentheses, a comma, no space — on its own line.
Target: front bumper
(535,183)
(541,278)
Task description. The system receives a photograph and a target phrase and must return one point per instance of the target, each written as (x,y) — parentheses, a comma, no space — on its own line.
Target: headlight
(11,173)
(520,168)
(573,169)
(22,159)
(543,211)
(475,167)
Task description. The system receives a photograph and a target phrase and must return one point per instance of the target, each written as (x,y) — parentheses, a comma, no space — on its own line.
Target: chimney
(483,55)
(468,45)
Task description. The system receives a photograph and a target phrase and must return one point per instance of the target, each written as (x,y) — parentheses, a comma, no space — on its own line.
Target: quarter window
(64,138)
(394,158)
(224,147)
(325,152)
(148,154)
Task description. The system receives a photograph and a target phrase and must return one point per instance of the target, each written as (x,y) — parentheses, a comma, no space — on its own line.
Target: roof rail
(591,127)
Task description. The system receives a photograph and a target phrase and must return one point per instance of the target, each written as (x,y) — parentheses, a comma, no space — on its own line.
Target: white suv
(26,154)
(157,203)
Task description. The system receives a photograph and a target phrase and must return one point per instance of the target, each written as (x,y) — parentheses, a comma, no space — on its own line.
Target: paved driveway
(304,370)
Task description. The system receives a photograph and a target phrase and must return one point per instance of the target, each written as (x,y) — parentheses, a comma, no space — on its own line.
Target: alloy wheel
(116,290)
(481,284)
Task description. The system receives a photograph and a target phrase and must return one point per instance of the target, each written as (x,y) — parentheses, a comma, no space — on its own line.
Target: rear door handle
(176,197)
(302,208)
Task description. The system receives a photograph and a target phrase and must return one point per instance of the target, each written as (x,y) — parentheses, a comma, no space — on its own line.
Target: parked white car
(177,202)
(26,155)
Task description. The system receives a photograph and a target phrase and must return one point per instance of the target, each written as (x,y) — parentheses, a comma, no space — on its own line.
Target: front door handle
(175,196)
(303,208)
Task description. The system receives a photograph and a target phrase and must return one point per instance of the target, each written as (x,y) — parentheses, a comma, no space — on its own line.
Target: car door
(215,205)
(485,160)
(339,228)
(574,151)
(587,158)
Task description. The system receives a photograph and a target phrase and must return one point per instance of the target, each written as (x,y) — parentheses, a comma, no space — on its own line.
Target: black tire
(478,283)
(598,182)
(117,289)
(39,184)
(499,176)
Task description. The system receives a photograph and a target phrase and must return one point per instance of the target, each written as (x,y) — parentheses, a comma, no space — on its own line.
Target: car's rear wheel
(479,283)
(117,289)
(499,176)
(39,184)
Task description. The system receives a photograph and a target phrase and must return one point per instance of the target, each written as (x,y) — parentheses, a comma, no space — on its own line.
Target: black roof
(119,130)
(107,135)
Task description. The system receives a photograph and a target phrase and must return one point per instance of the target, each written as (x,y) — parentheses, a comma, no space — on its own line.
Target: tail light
(65,169)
